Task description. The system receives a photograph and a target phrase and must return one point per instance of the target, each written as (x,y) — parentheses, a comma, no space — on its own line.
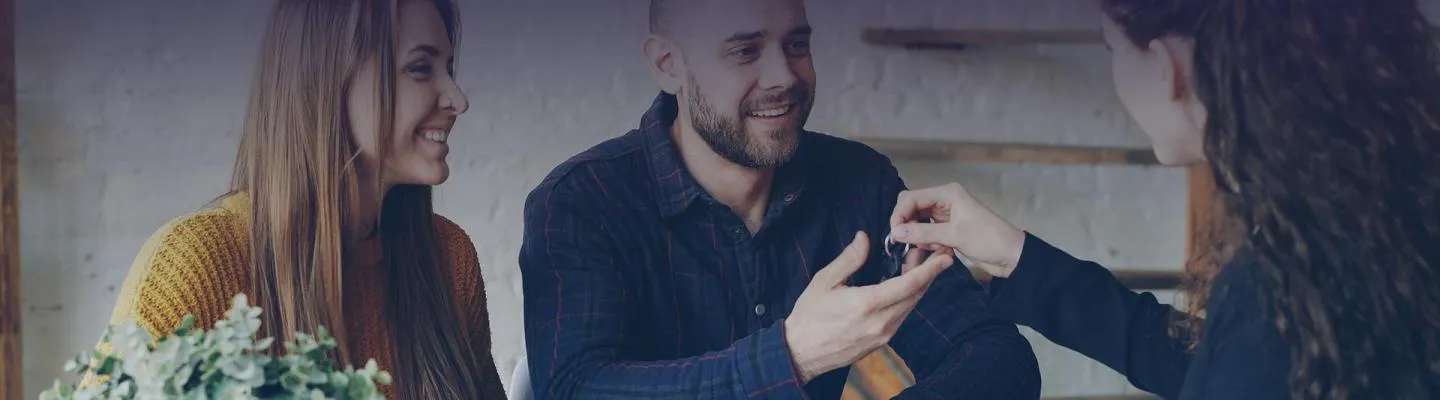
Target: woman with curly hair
(1319,121)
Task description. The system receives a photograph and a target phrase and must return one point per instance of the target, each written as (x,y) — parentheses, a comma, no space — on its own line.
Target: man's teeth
(435,136)
(770,113)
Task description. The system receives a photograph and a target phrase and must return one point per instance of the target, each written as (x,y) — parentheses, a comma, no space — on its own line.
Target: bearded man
(721,251)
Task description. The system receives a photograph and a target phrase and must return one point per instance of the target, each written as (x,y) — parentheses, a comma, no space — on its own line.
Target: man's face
(750,82)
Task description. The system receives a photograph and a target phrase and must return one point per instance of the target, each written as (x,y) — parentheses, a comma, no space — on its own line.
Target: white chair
(520,381)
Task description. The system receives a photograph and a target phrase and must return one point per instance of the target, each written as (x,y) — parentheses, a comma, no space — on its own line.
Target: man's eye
(800,47)
(746,52)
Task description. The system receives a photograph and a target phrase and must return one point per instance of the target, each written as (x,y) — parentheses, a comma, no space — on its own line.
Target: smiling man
(722,251)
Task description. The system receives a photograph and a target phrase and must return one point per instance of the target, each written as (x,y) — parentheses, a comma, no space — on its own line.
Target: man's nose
(776,71)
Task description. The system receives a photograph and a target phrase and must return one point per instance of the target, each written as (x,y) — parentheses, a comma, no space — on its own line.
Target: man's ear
(665,67)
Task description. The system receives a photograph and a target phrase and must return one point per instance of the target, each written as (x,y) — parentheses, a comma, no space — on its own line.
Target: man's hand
(834,325)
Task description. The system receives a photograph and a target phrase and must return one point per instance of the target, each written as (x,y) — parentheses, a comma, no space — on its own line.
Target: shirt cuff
(1016,297)
(765,367)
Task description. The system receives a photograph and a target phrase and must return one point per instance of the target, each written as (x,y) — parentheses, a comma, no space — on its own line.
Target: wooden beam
(1200,194)
(11,378)
(1139,280)
(955,39)
(959,39)
(961,151)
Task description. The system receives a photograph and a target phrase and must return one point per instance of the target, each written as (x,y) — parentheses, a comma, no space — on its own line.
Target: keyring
(889,242)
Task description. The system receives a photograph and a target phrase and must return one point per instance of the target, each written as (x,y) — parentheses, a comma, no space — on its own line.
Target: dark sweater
(1080,305)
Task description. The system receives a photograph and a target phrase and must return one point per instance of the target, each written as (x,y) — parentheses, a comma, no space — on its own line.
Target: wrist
(1017,248)
(799,357)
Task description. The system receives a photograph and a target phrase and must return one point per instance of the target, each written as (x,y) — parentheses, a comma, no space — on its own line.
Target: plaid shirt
(638,284)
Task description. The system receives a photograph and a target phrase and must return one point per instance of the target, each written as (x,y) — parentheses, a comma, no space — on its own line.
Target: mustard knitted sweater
(196,264)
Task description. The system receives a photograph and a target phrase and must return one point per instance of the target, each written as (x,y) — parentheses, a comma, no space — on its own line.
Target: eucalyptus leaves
(224,363)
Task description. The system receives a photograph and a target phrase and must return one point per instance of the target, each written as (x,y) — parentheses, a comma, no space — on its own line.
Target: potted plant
(225,362)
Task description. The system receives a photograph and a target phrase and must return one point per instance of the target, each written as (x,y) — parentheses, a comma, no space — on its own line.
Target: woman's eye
(420,71)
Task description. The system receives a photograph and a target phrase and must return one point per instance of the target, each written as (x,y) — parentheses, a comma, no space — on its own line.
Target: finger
(838,271)
(925,234)
(905,305)
(912,258)
(916,280)
(917,262)
(913,202)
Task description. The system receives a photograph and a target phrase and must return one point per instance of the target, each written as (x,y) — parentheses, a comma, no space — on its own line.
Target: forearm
(758,365)
(1081,305)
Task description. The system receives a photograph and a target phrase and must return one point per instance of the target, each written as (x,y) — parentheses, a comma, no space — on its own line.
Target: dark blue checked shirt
(639,285)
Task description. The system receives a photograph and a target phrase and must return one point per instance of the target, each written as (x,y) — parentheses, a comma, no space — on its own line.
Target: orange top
(197,263)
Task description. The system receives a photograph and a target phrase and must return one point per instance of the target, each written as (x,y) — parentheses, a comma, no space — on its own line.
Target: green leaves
(226,362)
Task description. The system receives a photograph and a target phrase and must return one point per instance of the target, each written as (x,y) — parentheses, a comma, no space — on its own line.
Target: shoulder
(1242,347)
(846,160)
(829,151)
(458,252)
(586,175)
(193,264)
(455,244)
(1237,287)
(848,168)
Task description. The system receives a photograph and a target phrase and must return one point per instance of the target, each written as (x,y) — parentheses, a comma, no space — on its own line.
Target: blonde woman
(329,219)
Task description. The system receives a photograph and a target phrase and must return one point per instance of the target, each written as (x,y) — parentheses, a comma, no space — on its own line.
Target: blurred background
(129,113)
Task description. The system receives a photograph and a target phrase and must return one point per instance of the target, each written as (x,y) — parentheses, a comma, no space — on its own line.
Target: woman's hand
(960,222)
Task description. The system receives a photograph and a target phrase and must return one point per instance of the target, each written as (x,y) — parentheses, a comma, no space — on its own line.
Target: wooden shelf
(955,39)
(1135,280)
(960,151)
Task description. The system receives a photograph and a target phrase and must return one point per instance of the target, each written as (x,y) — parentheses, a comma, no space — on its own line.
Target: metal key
(895,253)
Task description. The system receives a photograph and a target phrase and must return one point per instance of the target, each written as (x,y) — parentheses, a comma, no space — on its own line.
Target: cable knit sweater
(196,263)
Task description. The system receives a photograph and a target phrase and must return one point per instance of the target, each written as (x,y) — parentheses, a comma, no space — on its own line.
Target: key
(895,257)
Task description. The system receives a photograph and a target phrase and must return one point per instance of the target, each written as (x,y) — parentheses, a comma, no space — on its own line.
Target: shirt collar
(676,189)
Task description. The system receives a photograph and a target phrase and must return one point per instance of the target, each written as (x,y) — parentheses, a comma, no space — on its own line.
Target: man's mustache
(794,95)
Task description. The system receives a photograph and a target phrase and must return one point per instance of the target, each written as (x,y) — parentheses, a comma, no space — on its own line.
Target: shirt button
(759,309)
(789,197)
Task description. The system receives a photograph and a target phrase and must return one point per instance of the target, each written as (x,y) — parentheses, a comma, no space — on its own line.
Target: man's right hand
(833,325)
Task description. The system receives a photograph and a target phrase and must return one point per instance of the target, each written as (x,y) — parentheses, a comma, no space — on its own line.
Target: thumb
(838,271)
(925,234)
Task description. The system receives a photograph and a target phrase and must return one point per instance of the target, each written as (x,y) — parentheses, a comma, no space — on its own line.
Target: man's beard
(729,138)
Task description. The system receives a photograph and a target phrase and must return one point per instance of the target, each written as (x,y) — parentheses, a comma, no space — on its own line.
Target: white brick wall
(129,114)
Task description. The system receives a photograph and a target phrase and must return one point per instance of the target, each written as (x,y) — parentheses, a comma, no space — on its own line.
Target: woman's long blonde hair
(298,162)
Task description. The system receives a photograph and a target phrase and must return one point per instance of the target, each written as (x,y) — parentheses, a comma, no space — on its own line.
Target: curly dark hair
(1322,139)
